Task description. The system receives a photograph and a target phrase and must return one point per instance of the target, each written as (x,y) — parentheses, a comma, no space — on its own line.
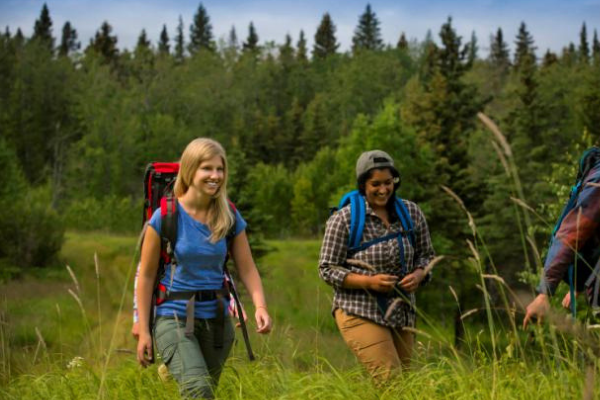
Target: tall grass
(71,340)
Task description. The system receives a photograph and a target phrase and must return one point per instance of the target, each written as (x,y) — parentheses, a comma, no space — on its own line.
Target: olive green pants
(193,361)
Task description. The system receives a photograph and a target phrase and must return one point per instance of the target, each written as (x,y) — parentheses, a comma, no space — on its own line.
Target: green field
(44,327)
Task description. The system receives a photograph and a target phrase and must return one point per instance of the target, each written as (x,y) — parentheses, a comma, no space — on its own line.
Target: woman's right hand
(144,349)
(382,282)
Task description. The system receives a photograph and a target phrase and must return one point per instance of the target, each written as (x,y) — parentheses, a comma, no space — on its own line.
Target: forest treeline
(79,124)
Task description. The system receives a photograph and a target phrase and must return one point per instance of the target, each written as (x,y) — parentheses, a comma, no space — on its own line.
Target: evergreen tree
(367,35)
(251,43)
(18,39)
(163,42)
(68,42)
(596,48)
(301,54)
(286,53)
(105,44)
(179,42)
(569,55)
(473,48)
(325,40)
(42,30)
(499,56)
(584,48)
(402,42)
(143,42)
(525,47)
(550,59)
(232,40)
(201,36)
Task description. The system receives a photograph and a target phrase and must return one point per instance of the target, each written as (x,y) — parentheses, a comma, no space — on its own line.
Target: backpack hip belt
(163,295)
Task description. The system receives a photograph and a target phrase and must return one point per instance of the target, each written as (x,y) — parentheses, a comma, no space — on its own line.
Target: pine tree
(473,48)
(286,53)
(232,40)
(42,30)
(68,42)
(525,47)
(143,42)
(367,35)
(402,42)
(163,42)
(596,48)
(499,56)
(325,40)
(451,56)
(550,59)
(301,54)
(105,44)
(584,48)
(179,42)
(251,43)
(201,36)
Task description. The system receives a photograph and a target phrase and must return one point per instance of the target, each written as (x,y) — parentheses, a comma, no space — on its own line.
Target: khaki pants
(380,349)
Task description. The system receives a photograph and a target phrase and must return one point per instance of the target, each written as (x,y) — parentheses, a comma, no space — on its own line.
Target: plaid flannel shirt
(574,235)
(384,257)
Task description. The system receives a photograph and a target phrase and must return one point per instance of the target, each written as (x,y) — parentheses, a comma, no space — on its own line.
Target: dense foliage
(81,124)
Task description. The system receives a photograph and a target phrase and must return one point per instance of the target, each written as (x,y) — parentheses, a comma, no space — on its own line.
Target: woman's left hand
(263,320)
(411,282)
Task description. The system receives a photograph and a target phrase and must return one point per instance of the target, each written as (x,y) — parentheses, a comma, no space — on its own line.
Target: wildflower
(76,362)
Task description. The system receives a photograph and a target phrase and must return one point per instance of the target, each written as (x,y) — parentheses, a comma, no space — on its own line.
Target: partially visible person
(373,308)
(195,351)
(578,232)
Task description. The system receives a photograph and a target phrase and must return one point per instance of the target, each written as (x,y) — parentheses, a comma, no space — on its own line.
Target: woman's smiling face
(379,188)
(209,176)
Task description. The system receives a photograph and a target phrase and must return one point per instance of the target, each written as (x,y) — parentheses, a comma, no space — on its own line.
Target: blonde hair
(219,216)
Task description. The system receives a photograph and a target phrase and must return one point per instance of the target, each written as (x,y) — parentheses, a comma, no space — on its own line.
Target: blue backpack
(357,224)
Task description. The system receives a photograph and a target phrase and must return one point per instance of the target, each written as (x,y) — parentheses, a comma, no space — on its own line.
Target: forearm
(253,284)
(144,298)
(356,281)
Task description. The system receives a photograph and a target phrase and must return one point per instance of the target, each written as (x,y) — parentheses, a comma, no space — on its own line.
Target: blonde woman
(195,357)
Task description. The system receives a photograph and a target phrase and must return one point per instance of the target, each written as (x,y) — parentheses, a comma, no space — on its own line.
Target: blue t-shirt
(199,263)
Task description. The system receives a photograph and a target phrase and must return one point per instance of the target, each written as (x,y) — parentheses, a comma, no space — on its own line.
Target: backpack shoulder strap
(357,216)
(168,231)
(231,232)
(405,219)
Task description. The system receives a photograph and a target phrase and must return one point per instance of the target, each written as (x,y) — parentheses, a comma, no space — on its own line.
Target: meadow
(64,334)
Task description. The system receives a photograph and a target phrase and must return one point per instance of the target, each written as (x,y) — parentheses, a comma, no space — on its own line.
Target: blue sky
(553,23)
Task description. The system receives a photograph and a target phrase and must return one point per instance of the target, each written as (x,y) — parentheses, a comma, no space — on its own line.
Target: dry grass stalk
(417,332)
(432,264)
(538,258)
(496,131)
(142,234)
(470,312)
(522,204)
(594,184)
(502,158)
(96,264)
(462,206)
(453,293)
(74,278)
(474,251)
(391,308)
(494,277)
(588,388)
(361,264)
(40,337)
(78,300)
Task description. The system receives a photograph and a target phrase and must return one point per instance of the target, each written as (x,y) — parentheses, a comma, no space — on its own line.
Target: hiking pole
(240,313)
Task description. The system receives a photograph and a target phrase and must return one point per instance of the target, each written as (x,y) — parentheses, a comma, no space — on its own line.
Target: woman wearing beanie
(375,282)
